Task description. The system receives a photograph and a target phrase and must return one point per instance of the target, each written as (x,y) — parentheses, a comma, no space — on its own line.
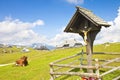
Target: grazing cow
(22,61)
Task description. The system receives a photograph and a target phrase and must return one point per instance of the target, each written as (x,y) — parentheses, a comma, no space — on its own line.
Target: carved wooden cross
(86,24)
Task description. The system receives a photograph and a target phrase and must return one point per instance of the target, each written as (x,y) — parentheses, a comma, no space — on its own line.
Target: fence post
(51,71)
(97,69)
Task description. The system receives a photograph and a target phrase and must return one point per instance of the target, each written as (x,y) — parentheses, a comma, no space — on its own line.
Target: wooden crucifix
(87,25)
(89,36)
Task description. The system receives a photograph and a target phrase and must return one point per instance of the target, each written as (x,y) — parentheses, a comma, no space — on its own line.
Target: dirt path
(6,64)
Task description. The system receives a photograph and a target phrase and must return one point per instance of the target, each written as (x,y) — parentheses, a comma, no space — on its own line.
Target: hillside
(107,47)
(38,68)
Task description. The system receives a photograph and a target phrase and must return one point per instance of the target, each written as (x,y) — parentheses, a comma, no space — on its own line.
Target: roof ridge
(79,8)
(92,16)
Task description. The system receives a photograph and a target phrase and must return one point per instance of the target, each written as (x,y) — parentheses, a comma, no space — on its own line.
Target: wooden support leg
(89,52)
(89,47)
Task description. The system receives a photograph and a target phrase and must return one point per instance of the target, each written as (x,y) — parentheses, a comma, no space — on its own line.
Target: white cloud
(19,32)
(112,33)
(38,23)
(62,36)
(75,1)
(9,25)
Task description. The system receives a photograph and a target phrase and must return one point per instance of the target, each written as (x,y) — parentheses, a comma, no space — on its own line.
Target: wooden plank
(112,70)
(117,78)
(66,71)
(114,53)
(108,67)
(65,58)
(63,67)
(74,66)
(76,74)
(110,61)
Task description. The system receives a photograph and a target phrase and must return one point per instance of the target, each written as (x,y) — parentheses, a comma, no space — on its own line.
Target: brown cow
(22,61)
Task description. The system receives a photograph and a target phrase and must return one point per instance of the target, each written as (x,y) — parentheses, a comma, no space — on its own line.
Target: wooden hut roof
(89,15)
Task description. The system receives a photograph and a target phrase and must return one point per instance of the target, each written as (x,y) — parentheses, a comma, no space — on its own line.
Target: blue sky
(45,19)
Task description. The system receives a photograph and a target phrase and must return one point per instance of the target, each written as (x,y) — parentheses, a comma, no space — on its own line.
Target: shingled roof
(89,15)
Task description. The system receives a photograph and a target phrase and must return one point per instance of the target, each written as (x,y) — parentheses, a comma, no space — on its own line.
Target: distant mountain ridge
(38,45)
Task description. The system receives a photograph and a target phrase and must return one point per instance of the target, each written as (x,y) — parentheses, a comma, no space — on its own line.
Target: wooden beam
(117,78)
(74,66)
(66,71)
(110,61)
(65,58)
(68,64)
(112,70)
(75,74)
(108,67)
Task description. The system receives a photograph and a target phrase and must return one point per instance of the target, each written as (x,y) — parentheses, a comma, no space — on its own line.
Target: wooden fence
(56,66)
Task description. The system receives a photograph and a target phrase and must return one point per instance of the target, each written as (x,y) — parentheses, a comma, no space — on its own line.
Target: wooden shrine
(87,25)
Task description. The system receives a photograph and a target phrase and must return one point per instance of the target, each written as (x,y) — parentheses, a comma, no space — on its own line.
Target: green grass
(111,47)
(38,68)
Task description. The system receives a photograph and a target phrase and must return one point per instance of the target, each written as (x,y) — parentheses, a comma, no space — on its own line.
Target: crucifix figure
(85,32)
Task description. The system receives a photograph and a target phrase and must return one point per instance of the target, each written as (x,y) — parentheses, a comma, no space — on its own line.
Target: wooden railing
(56,66)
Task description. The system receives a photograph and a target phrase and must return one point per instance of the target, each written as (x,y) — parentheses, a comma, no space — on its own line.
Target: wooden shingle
(81,16)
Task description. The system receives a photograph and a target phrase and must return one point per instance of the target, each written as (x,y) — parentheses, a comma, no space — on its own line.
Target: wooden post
(97,69)
(89,51)
(51,71)
(89,46)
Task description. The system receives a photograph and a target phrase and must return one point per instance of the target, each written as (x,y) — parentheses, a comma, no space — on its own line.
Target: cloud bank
(112,33)
(14,31)
(61,37)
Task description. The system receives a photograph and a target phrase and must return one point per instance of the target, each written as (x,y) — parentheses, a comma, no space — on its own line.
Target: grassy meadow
(38,68)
